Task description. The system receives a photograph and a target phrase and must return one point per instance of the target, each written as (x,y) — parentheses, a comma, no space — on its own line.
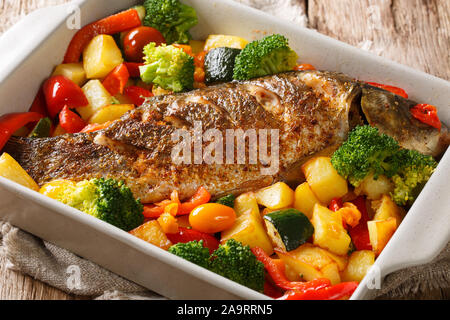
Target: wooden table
(412,32)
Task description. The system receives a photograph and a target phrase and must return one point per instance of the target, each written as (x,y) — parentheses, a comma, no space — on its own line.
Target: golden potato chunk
(386,208)
(11,169)
(329,232)
(380,232)
(324,180)
(152,232)
(101,56)
(358,265)
(249,230)
(110,113)
(277,196)
(97,96)
(72,71)
(305,199)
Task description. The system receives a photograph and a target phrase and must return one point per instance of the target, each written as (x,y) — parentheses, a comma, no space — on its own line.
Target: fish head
(391,114)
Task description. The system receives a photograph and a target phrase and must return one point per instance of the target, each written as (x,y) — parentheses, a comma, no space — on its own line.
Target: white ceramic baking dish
(29,51)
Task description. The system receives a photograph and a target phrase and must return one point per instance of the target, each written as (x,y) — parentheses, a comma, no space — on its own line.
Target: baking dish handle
(426,230)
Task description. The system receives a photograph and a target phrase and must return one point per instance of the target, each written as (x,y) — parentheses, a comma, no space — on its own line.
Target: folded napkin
(53,265)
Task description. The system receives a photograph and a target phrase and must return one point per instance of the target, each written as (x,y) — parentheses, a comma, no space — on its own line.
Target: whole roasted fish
(229,138)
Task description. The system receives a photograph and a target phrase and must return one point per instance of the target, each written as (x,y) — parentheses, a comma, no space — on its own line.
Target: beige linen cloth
(50,264)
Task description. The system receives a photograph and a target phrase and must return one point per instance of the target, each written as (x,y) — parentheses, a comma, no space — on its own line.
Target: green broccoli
(168,67)
(411,177)
(107,200)
(227,200)
(237,262)
(366,152)
(269,55)
(193,251)
(172,18)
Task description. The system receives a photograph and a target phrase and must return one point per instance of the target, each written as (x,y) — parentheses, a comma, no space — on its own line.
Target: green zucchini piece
(42,129)
(288,228)
(219,64)
(141,11)
(227,200)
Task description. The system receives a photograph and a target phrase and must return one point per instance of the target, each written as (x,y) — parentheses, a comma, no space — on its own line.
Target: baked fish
(290,117)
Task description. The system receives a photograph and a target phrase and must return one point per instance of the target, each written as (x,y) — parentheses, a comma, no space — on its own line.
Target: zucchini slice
(219,64)
(288,228)
(42,129)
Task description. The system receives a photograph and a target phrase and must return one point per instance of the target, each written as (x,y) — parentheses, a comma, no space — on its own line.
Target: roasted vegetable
(276,196)
(221,40)
(380,232)
(172,18)
(152,232)
(168,67)
(42,129)
(269,55)
(329,232)
(227,200)
(101,56)
(288,228)
(72,71)
(97,96)
(323,179)
(193,251)
(414,171)
(110,113)
(236,262)
(107,200)
(305,199)
(219,64)
(249,230)
(10,169)
(358,265)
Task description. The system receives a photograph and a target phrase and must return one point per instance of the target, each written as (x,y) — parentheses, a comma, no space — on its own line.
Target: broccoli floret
(106,199)
(227,200)
(365,152)
(193,251)
(412,176)
(172,18)
(168,67)
(269,55)
(236,262)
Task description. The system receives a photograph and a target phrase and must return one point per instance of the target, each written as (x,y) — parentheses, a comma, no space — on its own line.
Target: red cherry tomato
(59,92)
(136,39)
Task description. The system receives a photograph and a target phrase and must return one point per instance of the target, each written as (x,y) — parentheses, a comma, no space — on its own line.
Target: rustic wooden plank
(413,32)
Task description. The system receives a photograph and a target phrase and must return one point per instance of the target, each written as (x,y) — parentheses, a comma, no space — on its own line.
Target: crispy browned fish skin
(314,112)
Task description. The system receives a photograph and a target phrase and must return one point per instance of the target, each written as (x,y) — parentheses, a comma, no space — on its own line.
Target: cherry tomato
(212,218)
(304,66)
(136,39)
(59,92)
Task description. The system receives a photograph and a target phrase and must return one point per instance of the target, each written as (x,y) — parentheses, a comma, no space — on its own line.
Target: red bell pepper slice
(338,291)
(39,105)
(116,80)
(335,204)
(200,197)
(271,291)
(137,94)
(360,233)
(60,91)
(119,22)
(398,91)
(133,69)
(186,235)
(304,66)
(279,278)
(11,122)
(95,127)
(427,114)
(70,121)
